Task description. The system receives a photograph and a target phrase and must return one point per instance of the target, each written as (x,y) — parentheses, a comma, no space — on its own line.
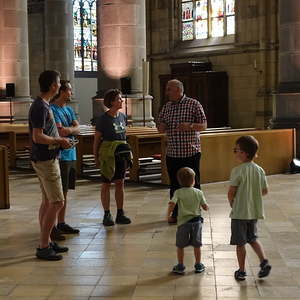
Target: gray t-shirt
(112,128)
(41,116)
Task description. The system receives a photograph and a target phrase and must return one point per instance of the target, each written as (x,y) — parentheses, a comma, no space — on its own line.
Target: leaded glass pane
(230,7)
(201,10)
(85,35)
(187,31)
(217,8)
(217,27)
(77,36)
(201,29)
(231,25)
(187,11)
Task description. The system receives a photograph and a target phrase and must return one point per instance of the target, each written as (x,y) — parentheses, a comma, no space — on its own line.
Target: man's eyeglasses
(235,150)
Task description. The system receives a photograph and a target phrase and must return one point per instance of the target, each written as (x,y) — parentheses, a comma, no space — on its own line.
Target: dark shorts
(243,232)
(120,171)
(189,234)
(68,174)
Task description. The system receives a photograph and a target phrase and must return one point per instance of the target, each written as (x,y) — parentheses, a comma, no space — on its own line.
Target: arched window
(204,19)
(85,35)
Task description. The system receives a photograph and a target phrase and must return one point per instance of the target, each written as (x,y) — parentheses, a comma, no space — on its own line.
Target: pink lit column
(14,67)
(122,49)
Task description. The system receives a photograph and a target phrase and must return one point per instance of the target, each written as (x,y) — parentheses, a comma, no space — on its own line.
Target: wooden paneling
(276,150)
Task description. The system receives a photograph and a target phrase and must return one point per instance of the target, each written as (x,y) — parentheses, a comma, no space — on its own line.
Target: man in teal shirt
(247,186)
(68,126)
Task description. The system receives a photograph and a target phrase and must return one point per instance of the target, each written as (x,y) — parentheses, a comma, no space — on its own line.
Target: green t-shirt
(189,200)
(250,180)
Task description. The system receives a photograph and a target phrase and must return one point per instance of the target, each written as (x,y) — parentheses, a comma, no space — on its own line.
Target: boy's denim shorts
(243,231)
(189,234)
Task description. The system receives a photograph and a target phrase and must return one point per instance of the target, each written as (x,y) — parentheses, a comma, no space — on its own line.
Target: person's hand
(185,126)
(64,143)
(162,127)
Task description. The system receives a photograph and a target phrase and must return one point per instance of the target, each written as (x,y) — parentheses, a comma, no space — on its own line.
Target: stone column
(14,67)
(122,48)
(59,37)
(59,34)
(286,103)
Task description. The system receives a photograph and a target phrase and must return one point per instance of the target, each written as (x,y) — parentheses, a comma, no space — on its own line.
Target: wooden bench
(15,137)
(86,139)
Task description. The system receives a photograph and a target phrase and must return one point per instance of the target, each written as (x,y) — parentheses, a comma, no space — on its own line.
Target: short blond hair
(186,177)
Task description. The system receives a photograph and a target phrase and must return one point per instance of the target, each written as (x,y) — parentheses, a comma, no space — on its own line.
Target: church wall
(84,90)
(250,58)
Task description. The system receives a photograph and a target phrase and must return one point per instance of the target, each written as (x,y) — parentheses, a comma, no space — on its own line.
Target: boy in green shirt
(189,220)
(247,186)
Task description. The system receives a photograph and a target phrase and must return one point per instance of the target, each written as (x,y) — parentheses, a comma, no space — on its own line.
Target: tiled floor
(134,261)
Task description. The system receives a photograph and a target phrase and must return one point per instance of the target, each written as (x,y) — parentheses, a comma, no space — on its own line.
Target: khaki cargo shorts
(48,173)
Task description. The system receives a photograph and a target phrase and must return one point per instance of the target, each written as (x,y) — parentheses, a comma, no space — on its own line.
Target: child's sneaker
(265,269)
(199,268)
(240,275)
(179,269)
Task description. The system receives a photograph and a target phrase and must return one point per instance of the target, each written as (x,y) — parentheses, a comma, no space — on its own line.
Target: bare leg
(62,213)
(241,256)
(105,195)
(256,246)
(119,193)
(180,255)
(47,222)
(42,211)
(197,253)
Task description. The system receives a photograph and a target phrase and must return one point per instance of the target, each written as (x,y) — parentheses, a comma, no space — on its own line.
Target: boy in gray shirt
(247,186)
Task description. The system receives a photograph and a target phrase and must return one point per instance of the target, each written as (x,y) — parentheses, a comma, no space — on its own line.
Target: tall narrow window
(202,19)
(85,35)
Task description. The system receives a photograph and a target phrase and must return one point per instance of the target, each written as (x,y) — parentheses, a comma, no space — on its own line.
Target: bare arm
(96,145)
(171,207)
(39,137)
(72,130)
(264,191)
(231,194)
(187,126)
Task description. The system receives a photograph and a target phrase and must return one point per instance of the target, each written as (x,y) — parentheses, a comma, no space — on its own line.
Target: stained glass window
(202,19)
(85,35)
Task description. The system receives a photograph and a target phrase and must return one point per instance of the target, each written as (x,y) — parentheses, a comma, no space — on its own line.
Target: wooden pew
(276,150)
(86,138)
(15,137)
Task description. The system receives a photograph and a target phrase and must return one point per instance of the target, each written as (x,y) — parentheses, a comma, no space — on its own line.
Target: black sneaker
(47,254)
(57,248)
(265,269)
(199,268)
(240,275)
(67,229)
(108,220)
(121,219)
(178,269)
(56,234)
